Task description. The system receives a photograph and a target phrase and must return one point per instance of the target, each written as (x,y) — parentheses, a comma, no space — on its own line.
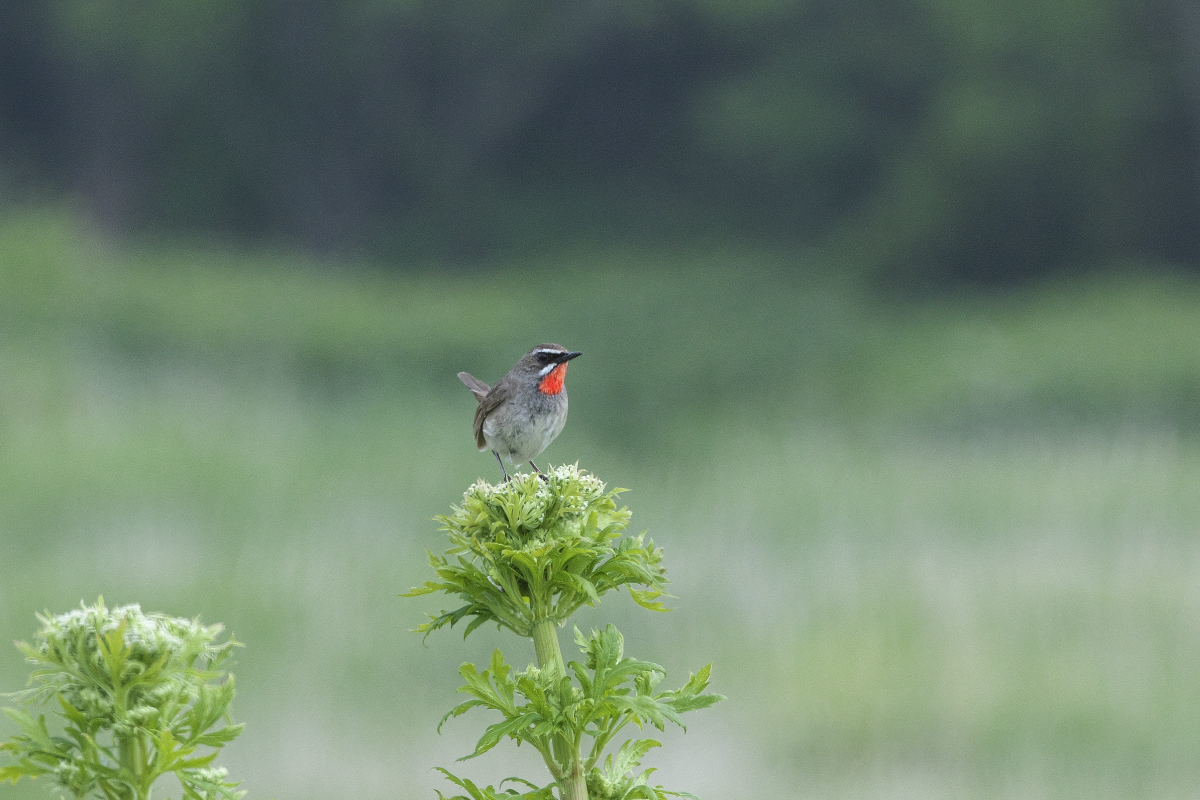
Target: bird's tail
(477,387)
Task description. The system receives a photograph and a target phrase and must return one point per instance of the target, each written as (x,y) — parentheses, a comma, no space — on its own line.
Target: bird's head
(547,364)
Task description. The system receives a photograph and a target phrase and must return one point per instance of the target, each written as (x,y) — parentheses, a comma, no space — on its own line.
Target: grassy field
(935,549)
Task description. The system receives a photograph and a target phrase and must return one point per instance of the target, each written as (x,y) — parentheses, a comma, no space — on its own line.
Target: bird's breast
(520,431)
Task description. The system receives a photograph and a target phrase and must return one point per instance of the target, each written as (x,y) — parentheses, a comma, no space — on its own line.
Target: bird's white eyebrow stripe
(549,351)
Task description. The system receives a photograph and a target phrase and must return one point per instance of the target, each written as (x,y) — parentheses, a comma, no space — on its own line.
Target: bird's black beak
(567,357)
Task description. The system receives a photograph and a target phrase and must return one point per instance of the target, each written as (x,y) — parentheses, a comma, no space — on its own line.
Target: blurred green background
(891,321)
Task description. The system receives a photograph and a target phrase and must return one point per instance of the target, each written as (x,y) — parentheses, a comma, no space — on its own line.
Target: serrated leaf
(196,763)
(494,733)
(698,681)
(499,668)
(429,587)
(450,776)
(583,678)
(458,711)
(648,598)
(478,685)
(696,702)
(514,779)
(475,623)
(12,774)
(221,737)
(644,708)
(629,756)
(35,729)
(585,586)
(631,669)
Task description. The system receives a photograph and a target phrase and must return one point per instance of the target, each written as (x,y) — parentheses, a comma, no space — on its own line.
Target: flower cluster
(139,693)
(552,504)
(537,548)
(162,660)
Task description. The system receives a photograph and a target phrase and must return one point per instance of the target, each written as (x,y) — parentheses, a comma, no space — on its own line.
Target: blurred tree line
(924,139)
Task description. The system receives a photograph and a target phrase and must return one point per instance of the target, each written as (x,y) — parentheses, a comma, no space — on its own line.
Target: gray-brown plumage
(526,409)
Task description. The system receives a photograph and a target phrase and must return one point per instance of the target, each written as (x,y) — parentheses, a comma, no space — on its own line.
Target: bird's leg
(500,461)
(541,474)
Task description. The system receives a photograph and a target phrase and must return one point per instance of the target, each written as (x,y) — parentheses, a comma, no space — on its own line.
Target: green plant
(139,695)
(526,555)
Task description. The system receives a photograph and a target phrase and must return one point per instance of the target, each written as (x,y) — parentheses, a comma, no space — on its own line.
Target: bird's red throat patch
(554,382)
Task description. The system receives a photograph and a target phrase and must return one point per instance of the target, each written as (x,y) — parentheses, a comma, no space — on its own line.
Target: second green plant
(527,554)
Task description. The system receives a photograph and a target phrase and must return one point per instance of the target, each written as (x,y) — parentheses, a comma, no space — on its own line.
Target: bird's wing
(487,404)
(477,387)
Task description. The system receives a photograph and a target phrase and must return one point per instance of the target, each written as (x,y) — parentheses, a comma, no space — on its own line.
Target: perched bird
(520,416)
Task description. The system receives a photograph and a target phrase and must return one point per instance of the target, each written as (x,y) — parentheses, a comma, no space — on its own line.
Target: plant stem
(131,751)
(546,647)
(576,783)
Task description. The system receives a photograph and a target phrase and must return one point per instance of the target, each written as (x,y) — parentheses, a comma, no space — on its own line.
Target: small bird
(526,409)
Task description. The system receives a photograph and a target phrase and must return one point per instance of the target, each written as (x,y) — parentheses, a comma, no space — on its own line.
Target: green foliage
(967,139)
(474,792)
(541,706)
(527,554)
(139,695)
(536,549)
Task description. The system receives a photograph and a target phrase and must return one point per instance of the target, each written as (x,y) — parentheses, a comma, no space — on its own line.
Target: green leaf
(196,763)
(474,792)
(698,681)
(500,670)
(648,598)
(629,756)
(221,736)
(457,781)
(12,774)
(631,668)
(695,702)
(603,648)
(644,709)
(520,780)
(429,587)
(689,697)
(494,733)
(479,685)
(457,711)
(475,623)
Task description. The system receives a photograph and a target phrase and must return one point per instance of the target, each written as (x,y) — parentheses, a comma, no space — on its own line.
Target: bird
(523,413)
